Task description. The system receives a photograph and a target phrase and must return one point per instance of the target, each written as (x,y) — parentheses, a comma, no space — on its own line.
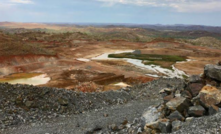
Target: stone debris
(178,103)
(176,125)
(213,110)
(195,88)
(199,98)
(213,72)
(180,109)
(196,111)
(176,116)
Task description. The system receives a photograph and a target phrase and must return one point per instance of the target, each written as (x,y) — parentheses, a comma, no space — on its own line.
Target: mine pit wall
(22,64)
(109,80)
(24,68)
(24,59)
(69,63)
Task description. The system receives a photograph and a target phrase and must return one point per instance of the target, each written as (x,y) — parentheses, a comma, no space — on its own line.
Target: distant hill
(207,41)
(15,46)
(105,32)
(214,29)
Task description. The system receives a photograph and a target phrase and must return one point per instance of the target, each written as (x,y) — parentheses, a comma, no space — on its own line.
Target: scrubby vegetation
(207,42)
(152,59)
(16,44)
(149,57)
(19,48)
(163,64)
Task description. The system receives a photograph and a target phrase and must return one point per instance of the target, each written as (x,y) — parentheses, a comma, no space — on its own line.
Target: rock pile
(21,104)
(181,104)
(200,97)
(25,104)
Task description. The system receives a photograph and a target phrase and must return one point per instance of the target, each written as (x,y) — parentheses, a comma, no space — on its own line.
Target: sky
(167,12)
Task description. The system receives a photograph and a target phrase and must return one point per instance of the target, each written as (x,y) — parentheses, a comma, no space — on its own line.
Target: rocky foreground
(160,106)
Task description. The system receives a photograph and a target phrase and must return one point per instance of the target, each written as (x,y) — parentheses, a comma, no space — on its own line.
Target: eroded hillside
(61,53)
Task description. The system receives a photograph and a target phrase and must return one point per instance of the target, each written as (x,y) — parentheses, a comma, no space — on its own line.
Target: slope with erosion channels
(40,52)
(207,42)
(14,52)
(63,52)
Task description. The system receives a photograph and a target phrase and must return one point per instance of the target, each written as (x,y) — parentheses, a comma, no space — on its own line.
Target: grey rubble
(24,108)
(175,106)
(202,125)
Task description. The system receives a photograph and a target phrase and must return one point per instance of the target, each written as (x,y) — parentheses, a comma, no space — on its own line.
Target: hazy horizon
(152,12)
(106,24)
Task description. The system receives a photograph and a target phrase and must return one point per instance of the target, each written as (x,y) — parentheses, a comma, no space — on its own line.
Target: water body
(82,59)
(154,68)
(36,80)
(122,84)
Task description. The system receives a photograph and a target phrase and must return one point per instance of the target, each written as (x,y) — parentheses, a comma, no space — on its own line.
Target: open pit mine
(88,79)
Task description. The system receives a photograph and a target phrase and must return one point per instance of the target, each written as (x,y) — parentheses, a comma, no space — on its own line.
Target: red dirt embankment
(24,59)
(24,63)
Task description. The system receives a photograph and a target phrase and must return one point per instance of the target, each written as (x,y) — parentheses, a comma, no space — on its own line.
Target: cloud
(211,6)
(22,1)
(178,5)
(11,5)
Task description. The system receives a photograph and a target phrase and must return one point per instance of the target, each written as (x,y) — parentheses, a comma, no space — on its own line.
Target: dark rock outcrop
(213,110)
(176,125)
(150,115)
(165,126)
(195,88)
(209,96)
(178,103)
(195,79)
(196,111)
(213,72)
(176,116)
(196,100)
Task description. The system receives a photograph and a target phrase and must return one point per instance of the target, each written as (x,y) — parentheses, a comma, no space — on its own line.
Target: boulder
(178,103)
(176,116)
(213,72)
(176,125)
(186,94)
(196,100)
(161,125)
(166,90)
(195,88)
(212,82)
(168,98)
(150,115)
(194,79)
(213,110)
(196,111)
(153,125)
(147,130)
(177,93)
(189,119)
(164,126)
(209,96)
